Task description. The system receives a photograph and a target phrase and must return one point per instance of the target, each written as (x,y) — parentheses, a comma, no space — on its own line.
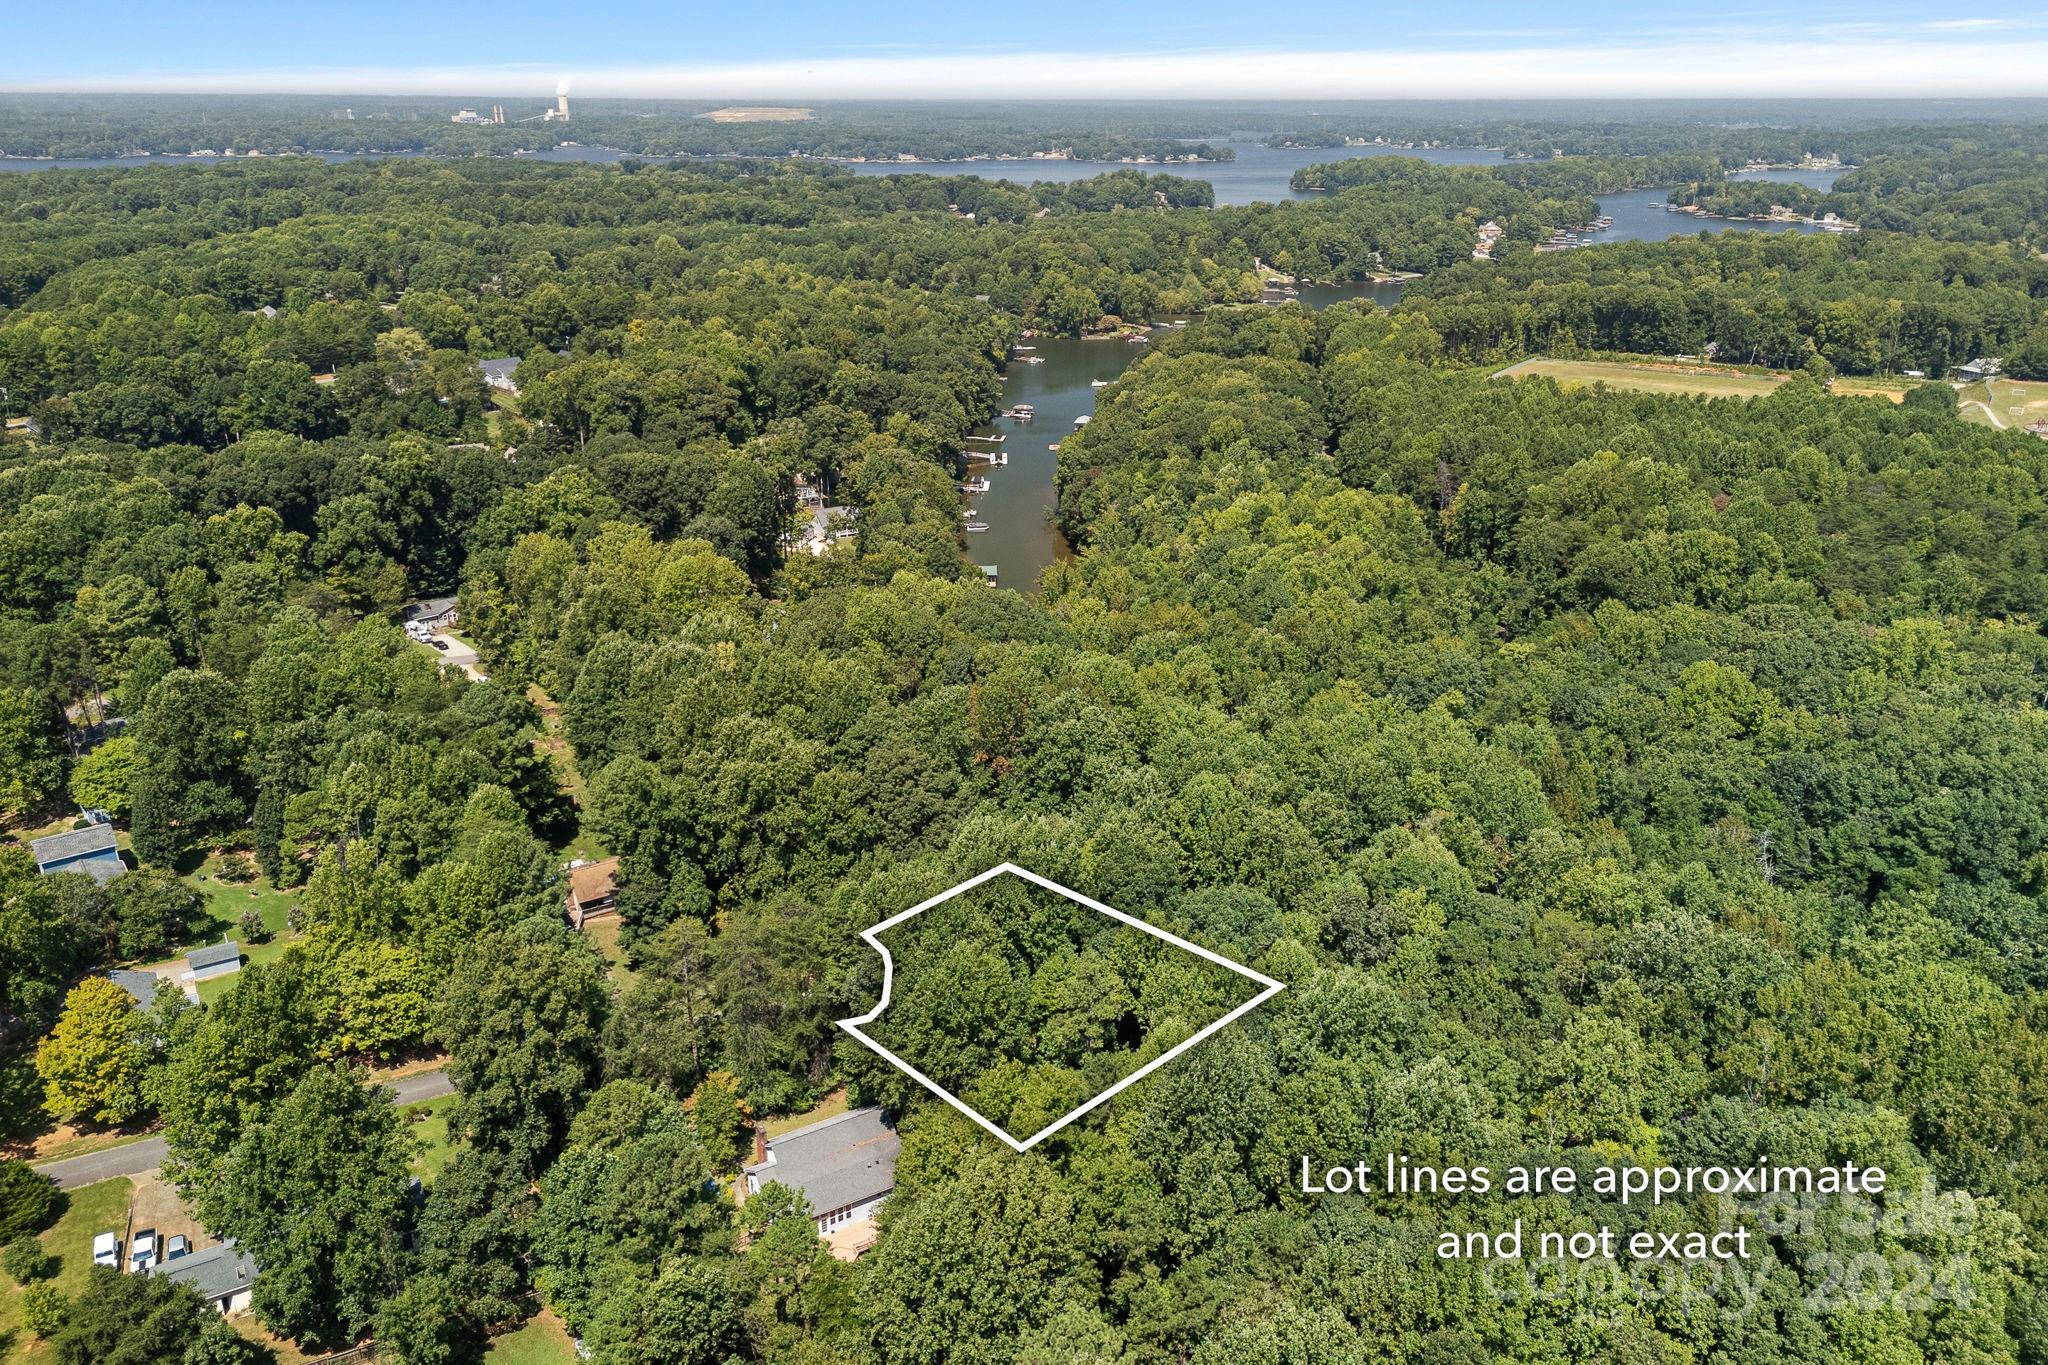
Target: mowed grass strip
(1646,378)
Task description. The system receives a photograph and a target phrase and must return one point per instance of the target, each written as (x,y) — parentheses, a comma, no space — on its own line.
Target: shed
(593,891)
(843,1166)
(90,850)
(216,959)
(223,1275)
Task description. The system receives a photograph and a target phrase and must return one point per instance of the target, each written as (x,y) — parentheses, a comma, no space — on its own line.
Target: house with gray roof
(498,372)
(90,850)
(216,959)
(223,1275)
(141,985)
(844,1167)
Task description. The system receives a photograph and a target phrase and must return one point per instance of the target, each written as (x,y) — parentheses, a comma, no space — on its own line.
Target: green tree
(122,1319)
(316,1193)
(684,1316)
(522,1016)
(105,778)
(29,1201)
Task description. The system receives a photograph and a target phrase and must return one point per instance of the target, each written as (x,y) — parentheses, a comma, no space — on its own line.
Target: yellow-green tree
(93,1060)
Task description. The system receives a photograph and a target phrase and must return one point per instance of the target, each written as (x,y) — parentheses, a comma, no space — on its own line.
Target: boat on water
(1098,383)
(1018,414)
(1081,421)
(1031,360)
(977,526)
(1054,447)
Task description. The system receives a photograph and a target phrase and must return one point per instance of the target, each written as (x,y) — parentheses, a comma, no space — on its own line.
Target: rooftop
(215,1272)
(213,954)
(141,985)
(427,608)
(77,843)
(843,1160)
(594,881)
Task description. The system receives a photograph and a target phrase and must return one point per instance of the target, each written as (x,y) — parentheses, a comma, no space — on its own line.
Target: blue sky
(1065,48)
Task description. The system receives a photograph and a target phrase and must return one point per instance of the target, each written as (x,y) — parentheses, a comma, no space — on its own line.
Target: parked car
(179,1246)
(142,1251)
(106,1250)
(441,645)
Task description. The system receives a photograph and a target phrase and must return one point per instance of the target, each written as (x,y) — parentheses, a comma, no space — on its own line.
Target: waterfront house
(90,850)
(844,1167)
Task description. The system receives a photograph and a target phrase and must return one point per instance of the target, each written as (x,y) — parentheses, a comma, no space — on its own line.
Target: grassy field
(90,1211)
(542,1341)
(2011,402)
(1646,377)
(1651,375)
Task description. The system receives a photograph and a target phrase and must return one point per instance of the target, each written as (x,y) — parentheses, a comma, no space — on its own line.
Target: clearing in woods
(1678,376)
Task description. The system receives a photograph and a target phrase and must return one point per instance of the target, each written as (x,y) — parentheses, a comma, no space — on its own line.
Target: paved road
(146,1155)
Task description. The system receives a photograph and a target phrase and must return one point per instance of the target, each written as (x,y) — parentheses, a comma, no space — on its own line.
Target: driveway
(146,1155)
(459,654)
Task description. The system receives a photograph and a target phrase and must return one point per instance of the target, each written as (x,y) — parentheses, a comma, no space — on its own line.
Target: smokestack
(562,107)
(760,1144)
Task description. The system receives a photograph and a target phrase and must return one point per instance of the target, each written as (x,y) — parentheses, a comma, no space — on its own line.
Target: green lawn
(225,903)
(542,1341)
(89,1212)
(430,1131)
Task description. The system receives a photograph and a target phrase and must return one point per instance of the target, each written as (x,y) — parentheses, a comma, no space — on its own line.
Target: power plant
(557,113)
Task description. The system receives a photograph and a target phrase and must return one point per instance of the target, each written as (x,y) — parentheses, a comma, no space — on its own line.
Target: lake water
(1812,179)
(1259,175)
(1018,507)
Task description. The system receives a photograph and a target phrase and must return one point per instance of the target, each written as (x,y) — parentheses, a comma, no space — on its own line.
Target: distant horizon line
(1928,63)
(797,99)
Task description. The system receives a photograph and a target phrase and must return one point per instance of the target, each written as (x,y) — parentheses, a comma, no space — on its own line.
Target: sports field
(2006,402)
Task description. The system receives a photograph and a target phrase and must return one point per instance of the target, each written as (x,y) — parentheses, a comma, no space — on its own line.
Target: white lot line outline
(872,936)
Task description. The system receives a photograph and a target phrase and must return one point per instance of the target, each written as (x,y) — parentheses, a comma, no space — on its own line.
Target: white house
(843,1166)
(223,1275)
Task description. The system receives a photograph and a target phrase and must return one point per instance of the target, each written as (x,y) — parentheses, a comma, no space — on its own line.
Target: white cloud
(1717,66)
(1966,24)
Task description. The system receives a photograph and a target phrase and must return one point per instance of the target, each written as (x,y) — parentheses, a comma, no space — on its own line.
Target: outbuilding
(593,891)
(216,959)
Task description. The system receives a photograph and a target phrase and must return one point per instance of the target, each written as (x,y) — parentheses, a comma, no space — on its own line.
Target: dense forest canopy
(1611,778)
